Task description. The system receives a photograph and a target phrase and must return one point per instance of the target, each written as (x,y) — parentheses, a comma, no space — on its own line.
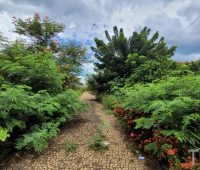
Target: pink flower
(132,134)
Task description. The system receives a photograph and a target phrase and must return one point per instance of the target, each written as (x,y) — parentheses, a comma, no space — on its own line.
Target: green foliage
(3,134)
(173,102)
(151,147)
(70,59)
(122,57)
(35,116)
(98,142)
(70,146)
(195,66)
(41,31)
(33,96)
(181,70)
(42,34)
(152,70)
(39,71)
(37,138)
(109,102)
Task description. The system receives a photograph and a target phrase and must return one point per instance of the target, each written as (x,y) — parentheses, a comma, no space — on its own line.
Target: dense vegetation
(127,59)
(36,80)
(156,98)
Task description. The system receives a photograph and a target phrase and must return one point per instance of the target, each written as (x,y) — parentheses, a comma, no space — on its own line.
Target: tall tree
(121,56)
(42,34)
(41,31)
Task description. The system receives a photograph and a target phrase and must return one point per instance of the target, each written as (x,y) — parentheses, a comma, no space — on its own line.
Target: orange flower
(186,165)
(170,152)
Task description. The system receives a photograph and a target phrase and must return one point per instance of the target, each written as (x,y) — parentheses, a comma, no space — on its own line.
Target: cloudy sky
(86,19)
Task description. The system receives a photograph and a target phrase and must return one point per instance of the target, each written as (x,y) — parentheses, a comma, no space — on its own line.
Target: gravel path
(80,131)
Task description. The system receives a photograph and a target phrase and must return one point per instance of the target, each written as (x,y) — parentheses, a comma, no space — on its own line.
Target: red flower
(170,152)
(186,165)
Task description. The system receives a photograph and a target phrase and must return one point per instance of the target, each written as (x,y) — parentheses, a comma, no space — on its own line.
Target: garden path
(118,157)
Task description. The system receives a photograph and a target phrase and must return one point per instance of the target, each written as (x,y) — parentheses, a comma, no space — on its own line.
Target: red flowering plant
(166,148)
(164,113)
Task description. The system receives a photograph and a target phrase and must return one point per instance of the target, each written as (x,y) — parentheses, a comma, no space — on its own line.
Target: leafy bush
(31,119)
(109,102)
(33,75)
(163,117)
(38,70)
(195,66)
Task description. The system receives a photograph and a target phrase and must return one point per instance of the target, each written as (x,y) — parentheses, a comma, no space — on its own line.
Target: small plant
(70,146)
(99,142)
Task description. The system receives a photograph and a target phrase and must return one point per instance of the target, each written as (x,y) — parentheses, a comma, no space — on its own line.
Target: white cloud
(168,16)
(88,68)
(6,26)
(72,25)
(2,1)
(186,57)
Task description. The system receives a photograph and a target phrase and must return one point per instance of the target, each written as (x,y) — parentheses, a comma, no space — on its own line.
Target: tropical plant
(121,56)
(31,119)
(164,113)
(33,96)
(43,37)
(41,31)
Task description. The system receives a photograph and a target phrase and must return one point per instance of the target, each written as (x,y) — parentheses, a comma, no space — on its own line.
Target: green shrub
(195,66)
(109,102)
(171,100)
(33,118)
(34,77)
(164,113)
(37,70)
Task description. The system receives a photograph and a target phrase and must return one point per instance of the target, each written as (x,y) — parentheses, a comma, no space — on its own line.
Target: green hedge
(30,119)
(164,116)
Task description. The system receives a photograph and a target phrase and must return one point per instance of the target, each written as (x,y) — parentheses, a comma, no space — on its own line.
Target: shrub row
(29,119)
(163,118)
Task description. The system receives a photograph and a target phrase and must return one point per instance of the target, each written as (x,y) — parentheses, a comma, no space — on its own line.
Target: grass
(99,142)
(70,146)
(109,112)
